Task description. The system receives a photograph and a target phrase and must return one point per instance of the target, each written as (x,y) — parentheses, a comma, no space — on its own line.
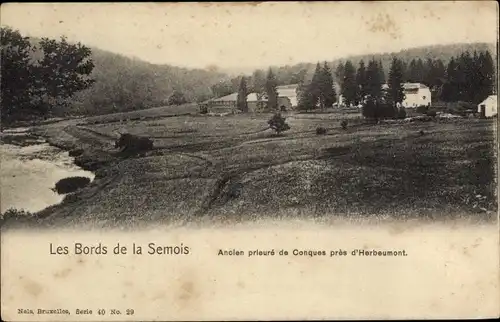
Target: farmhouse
(256,103)
(416,94)
(222,104)
(488,107)
(287,99)
(288,92)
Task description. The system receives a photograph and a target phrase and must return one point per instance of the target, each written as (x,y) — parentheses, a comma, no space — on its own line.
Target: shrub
(431,113)
(278,124)
(378,110)
(422,109)
(13,213)
(203,110)
(401,113)
(132,144)
(344,124)
(70,184)
(320,130)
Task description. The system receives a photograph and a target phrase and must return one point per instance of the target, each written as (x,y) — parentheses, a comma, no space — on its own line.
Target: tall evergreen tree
(486,78)
(315,86)
(470,77)
(429,73)
(349,88)
(405,67)
(380,67)
(373,81)
(450,88)
(271,90)
(327,89)
(412,71)
(420,71)
(258,86)
(396,93)
(241,100)
(361,82)
(339,73)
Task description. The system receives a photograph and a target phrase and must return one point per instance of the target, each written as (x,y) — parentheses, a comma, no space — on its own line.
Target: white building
(416,94)
(290,92)
(488,107)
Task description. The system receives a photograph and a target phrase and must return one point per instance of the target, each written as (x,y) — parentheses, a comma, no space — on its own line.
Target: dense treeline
(467,77)
(35,79)
(45,77)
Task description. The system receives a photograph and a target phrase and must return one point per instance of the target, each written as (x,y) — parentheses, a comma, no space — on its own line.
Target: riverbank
(30,169)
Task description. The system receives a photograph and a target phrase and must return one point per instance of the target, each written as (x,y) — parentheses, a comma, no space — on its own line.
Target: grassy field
(234,168)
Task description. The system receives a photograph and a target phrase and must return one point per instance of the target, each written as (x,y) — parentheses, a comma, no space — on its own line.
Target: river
(27,174)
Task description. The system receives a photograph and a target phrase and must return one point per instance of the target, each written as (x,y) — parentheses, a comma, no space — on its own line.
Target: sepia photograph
(242,124)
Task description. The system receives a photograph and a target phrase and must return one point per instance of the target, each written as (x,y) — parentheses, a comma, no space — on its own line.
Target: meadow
(234,168)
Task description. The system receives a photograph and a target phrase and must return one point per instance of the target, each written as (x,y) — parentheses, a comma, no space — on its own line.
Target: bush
(343,124)
(13,213)
(422,109)
(278,124)
(71,184)
(133,144)
(203,110)
(401,113)
(320,130)
(431,113)
(377,110)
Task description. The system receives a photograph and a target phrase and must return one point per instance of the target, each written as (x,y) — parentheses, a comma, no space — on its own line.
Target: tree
(278,124)
(315,86)
(339,73)
(396,93)
(327,95)
(16,81)
(349,88)
(271,90)
(373,81)
(361,82)
(429,73)
(486,75)
(450,88)
(177,98)
(419,69)
(306,98)
(222,88)
(412,71)
(241,100)
(63,71)
(36,87)
(381,72)
(258,84)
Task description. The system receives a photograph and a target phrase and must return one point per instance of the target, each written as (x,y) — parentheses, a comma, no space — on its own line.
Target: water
(27,175)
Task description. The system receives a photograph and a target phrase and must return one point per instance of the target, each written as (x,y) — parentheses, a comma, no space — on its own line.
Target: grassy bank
(234,168)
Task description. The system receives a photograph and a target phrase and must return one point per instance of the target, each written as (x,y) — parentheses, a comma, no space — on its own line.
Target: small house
(416,94)
(488,107)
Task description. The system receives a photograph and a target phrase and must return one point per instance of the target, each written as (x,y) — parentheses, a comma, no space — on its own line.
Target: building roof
(408,86)
(414,85)
(490,99)
(291,86)
(227,98)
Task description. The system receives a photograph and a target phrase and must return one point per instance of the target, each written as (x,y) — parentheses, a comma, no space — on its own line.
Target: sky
(247,35)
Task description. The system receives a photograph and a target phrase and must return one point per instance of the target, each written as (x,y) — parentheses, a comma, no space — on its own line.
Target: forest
(43,78)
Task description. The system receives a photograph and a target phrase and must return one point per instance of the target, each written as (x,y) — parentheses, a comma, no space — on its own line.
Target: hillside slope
(444,52)
(125,84)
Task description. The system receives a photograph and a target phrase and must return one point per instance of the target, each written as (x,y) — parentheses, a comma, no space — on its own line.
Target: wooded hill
(287,74)
(125,84)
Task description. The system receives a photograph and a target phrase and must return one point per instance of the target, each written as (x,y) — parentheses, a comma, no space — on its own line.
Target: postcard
(249,161)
